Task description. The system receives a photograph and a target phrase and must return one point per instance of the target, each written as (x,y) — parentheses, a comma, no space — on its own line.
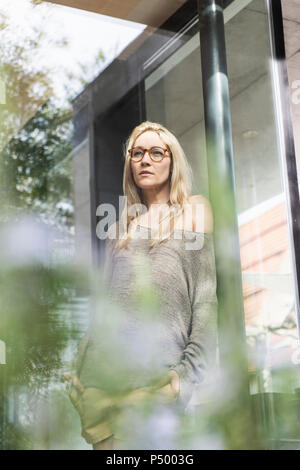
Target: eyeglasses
(156,153)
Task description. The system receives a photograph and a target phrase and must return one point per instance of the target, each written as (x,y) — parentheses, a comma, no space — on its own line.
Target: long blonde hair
(180,186)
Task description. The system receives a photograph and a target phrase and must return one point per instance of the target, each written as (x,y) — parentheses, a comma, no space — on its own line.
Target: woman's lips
(146,174)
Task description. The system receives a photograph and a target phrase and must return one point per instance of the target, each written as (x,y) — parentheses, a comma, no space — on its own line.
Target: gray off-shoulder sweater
(183,275)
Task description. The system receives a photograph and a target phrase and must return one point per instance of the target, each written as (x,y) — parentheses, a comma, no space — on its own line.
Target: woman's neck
(155,197)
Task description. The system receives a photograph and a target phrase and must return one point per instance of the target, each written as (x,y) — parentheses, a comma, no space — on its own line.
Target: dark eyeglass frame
(130,151)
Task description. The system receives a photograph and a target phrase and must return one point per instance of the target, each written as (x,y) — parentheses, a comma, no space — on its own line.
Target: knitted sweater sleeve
(199,354)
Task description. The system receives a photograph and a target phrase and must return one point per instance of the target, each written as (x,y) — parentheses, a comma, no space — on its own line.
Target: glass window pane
(265,244)
(291,17)
(168,102)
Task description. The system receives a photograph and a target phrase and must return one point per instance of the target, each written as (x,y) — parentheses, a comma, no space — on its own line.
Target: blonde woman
(157,177)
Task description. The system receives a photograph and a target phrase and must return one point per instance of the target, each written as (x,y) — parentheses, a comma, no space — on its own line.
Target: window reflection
(268,277)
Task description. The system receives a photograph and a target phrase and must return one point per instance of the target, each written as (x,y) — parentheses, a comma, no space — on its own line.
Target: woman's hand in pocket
(172,386)
(72,381)
(174,382)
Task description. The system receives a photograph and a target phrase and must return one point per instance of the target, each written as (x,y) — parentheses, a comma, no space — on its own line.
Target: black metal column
(232,338)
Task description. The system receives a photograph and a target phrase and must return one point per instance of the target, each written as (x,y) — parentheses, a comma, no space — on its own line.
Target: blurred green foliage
(43,317)
(36,166)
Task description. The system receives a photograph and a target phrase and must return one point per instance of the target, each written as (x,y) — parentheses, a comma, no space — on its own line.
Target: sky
(86,32)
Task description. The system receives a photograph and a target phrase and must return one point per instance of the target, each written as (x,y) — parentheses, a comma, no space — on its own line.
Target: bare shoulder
(202,215)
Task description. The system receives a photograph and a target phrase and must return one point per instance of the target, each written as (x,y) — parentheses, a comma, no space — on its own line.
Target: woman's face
(159,171)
